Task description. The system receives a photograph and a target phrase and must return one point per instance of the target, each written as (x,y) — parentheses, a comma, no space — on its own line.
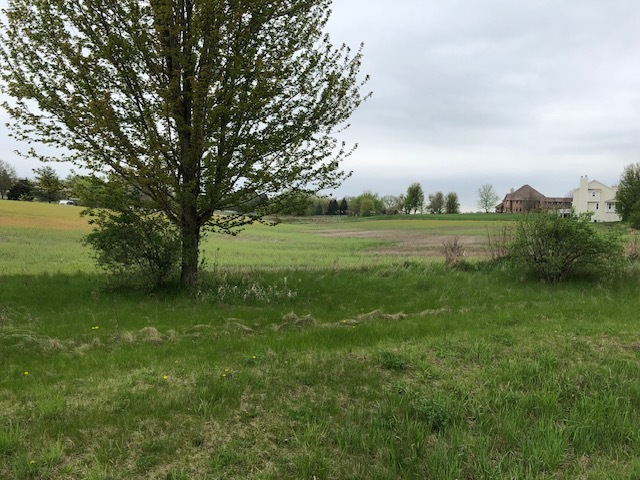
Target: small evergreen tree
(344,206)
(333,208)
(48,184)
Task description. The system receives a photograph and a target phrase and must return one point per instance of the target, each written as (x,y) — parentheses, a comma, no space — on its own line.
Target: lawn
(311,350)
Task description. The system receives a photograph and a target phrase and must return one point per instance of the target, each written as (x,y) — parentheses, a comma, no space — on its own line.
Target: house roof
(597,185)
(525,192)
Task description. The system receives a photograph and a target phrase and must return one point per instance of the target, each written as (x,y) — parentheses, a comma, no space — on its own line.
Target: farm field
(312,350)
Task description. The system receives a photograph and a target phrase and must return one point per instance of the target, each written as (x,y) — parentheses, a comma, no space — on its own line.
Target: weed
(433,412)
(393,361)
(454,253)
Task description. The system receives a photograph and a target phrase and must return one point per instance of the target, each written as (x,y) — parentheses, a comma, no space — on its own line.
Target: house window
(609,206)
(593,194)
(597,206)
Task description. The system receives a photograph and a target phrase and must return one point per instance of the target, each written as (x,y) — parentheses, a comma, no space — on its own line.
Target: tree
(7,178)
(299,205)
(333,208)
(392,204)
(451,203)
(366,204)
(48,184)
(487,198)
(344,206)
(21,190)
(628,195)
(200,105)
(414,199)
(436,203)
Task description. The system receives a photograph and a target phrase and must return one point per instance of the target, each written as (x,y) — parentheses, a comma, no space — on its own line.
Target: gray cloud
(501,92)
(539,92)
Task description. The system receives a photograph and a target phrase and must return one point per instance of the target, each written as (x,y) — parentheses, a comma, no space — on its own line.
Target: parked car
(67,202)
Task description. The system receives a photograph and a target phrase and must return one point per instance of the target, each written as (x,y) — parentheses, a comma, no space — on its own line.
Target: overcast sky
(505,92)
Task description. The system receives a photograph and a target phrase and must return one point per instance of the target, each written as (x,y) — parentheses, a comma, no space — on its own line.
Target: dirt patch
(412,243)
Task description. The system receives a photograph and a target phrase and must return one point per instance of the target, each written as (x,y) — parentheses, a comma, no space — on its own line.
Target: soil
(413,243)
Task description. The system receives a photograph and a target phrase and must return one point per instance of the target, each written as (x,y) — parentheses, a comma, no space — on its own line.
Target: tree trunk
(190,232)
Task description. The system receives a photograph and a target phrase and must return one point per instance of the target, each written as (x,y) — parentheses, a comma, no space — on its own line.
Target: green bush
(134,241)
(554,248)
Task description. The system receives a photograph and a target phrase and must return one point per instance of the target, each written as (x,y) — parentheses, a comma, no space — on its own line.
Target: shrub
(134,241)
(554,247)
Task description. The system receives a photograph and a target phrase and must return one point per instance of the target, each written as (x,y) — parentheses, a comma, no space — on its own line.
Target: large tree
(452,203)
(436,202)
(414,199)
(487,197)
(628,195)
(7,178)
(200,105)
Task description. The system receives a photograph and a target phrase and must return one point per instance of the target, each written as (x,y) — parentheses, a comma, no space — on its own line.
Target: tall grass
(314,369)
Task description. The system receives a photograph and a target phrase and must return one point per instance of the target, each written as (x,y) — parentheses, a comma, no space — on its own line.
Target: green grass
(335,362)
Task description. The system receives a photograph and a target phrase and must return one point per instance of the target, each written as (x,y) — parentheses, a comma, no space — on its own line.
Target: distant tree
(48,184)
(451,203)
(487,198)
(414,199)
(344,206)
(366,204)
(7,178)
(89,190)
(436,203)
(628,195)
(21,190)
(333,208)
(392,204)
(298,204)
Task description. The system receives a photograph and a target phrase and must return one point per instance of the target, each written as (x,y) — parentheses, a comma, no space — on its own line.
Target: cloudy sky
(505,92)
(468,92)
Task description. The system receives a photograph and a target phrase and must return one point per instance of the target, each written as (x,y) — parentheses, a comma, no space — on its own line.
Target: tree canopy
(487,198)
(48,183)
(7,177)
(200,105)
(414,199)
(436,202)
(452,203)
(628,195)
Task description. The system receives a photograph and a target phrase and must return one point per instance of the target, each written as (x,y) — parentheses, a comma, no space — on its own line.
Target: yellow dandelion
(164,377)
(226,369)
(26,373)
(254,357)
(31,462)
(224,374)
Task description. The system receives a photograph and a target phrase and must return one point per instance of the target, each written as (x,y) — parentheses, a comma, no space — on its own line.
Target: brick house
(528,199)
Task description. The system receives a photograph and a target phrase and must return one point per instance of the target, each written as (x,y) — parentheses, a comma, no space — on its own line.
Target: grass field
(339,350)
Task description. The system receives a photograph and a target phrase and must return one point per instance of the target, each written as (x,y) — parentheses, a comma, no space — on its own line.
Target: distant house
(596,198)
(528,199)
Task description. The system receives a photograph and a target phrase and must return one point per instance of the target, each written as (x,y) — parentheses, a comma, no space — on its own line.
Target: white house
(596,198)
